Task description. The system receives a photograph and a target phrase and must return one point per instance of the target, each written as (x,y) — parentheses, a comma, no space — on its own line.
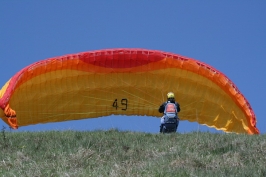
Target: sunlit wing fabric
(123,82)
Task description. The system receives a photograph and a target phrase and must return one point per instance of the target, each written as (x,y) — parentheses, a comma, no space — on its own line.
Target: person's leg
(161,126)
(177,123)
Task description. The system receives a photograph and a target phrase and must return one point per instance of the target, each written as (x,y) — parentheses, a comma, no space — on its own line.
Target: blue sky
(228,35)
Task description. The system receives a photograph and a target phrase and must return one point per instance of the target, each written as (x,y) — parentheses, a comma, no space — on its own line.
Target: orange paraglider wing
(123,82)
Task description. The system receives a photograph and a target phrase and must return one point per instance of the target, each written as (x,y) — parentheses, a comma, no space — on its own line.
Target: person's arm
(177,107)
(161,108)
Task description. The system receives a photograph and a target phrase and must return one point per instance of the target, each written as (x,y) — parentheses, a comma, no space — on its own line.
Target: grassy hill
(120,154)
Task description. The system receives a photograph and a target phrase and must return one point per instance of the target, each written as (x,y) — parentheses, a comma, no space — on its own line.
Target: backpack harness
(170,113)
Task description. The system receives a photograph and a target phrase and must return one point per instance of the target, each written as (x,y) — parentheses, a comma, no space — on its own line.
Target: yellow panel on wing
(3,90)
(69,94)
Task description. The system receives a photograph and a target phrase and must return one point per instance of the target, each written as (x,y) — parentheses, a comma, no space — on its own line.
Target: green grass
(120,154)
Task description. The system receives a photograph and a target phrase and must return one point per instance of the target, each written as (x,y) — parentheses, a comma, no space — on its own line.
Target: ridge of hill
(115,153)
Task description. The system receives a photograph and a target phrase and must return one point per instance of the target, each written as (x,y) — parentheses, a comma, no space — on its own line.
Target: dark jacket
(162,107)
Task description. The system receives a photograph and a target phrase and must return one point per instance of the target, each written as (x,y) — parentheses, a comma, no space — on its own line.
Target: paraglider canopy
(123,82)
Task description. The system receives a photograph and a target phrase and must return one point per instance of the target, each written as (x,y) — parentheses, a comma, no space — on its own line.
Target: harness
(170,113)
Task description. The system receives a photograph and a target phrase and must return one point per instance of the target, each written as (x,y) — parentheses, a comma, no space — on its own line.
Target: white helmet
(170,95)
